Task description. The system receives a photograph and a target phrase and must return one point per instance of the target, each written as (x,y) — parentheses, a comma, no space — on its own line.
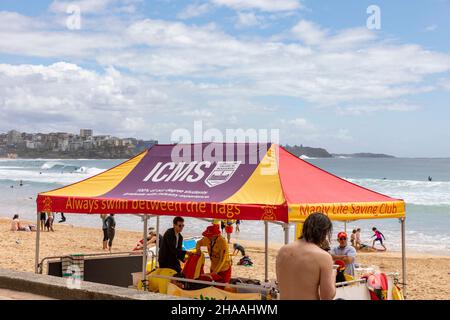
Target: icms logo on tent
(193,172)
(223,171)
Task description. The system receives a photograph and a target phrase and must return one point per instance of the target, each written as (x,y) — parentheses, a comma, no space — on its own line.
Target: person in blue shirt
(345,252)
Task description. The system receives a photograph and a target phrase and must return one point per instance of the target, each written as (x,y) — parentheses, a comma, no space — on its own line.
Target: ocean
(428,203)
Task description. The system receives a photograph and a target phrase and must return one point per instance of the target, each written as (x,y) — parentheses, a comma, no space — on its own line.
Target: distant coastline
(363,155)
(304,152)
(86,145)
(311,152)
(15,144)
(299,151)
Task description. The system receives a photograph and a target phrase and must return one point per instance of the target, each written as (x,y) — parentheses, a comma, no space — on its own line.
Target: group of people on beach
(309,268)
(306,269)
(171,252)
(45,218)
(355,239)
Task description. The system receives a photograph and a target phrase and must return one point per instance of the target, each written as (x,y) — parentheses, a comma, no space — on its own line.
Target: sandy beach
(428,275)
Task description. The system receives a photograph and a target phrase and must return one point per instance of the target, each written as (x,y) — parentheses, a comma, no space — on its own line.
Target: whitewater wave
(413,192)
(48,176)
(52,165)
(306,157)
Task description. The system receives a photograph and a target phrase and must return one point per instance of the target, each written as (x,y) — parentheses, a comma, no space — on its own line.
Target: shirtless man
(304,269)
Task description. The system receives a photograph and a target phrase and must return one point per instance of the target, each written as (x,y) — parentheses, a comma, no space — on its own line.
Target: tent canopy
(245,181)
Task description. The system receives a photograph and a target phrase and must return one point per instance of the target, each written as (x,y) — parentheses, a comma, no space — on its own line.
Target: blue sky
(311,69)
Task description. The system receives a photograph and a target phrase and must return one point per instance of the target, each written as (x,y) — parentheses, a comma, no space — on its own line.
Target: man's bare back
(305,272)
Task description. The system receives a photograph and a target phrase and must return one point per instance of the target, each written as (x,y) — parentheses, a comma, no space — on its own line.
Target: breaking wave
(413,192)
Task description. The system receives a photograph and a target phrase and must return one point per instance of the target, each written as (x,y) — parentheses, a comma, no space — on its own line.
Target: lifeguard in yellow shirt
(218,252)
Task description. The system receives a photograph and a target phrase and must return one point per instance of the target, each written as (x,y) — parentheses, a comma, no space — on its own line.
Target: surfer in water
(430,178)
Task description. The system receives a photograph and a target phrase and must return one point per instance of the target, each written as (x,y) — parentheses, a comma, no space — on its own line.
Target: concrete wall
(57,288)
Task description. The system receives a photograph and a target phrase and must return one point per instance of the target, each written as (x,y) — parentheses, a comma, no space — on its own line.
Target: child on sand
(49,222)
(378,237)
(238,248)
(358,238)
(229,229)
(353,238)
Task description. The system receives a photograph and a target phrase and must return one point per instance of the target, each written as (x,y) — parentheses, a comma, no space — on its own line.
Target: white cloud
(344,135)
(95,6)
(194,10)
(309,32)
(445,84)
(301,124)
(301,130)
(86,6)
(349,66)
(262,5)
(198,114)
(15,22)
(248,19)
(312,34)
(377,107)
(64,94)
(349,38)
(64,97)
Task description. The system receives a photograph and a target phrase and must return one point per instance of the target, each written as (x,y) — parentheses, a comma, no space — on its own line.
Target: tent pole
(286,233)
(157,241)
(345,226)
(403,256)
(38,238)
(266,251)
(144,249)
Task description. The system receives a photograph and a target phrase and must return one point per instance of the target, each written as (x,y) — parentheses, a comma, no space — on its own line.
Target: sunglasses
(342,238)
(180,225)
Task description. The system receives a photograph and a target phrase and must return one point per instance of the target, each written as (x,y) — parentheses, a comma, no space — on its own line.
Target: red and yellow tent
(222,181)
(245,181)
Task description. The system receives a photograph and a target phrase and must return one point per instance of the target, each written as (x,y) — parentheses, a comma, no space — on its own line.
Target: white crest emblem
(223,171)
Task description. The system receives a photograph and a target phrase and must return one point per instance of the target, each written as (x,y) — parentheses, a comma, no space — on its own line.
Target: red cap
(211,231)
(342,235)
